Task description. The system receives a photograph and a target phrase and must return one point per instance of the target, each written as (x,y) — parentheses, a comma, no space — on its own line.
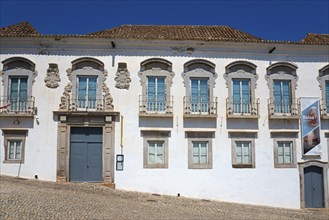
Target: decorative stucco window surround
(155,148)
(87,90)
(284,149)
(241,78)
(156,77)
(323,79)
(282,82)
(199,81)
(18,76)
(14,146)
(200,149)
(243,149)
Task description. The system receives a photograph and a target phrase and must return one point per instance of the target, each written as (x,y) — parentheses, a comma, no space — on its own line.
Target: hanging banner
(310,126)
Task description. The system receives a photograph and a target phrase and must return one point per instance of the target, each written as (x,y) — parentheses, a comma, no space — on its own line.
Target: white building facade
(211,118)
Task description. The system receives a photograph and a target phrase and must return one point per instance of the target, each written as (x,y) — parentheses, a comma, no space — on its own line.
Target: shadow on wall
(16,122)
(251,124)
(200,123)
(156,122)
(284,124)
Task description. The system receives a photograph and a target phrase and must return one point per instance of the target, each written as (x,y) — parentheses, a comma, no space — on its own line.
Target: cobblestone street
(33,199)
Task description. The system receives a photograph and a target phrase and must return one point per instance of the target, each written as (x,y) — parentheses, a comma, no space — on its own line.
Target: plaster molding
(122,77)
(53,78)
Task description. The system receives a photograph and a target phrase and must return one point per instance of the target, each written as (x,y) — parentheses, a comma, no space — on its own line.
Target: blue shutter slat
(236,96)
(23,89)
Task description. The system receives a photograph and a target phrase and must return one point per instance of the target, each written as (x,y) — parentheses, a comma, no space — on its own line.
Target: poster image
(310,126)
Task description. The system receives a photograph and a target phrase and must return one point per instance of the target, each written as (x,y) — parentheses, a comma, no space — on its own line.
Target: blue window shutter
(286,92)
(327,94)
(23,89)
(82,88)
(194,90)
(245,91)
(92,88)
(161,89)
(14,89)
(236,96)
(151,89)
(204,90)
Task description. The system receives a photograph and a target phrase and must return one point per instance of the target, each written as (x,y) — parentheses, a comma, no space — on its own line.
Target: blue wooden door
(313,187)
(86,155)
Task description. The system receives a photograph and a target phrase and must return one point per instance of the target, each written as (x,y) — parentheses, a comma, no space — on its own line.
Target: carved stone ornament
(52,79)
(122,77)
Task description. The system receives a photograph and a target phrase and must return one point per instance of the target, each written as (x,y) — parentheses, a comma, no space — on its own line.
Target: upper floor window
(18,77)
(156,78)
(282,82)
(87,90)
(323,79)
(241,80)
(199,80)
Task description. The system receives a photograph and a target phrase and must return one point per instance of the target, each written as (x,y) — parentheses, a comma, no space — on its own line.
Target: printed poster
(310,126)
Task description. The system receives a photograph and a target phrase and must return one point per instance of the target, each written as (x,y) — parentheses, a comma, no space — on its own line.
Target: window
(284,152)
(323,79)
(199,79)
(241,96)
(155,152)
(282,96)
(282,80)
(155,149)
(156,96)
(200,150)
(18,76)
(199,95)
(14,144)
(242,152)
(243,149)
(88,91)
(241,80)
(284,149)
(156,78)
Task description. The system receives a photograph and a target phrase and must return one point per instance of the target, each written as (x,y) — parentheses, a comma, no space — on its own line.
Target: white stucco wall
(262,185)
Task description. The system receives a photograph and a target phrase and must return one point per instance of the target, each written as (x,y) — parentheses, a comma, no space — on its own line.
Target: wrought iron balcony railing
(200,106)
(242,108)
(155,106)
(284,109)
(17,106)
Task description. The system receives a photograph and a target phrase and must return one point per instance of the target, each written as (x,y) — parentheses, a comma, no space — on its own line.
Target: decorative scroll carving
(65,98)
(108,100)
(52,79)
(122,77)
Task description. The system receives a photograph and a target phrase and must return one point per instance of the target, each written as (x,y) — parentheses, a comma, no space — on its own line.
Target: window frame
(156,136)
(283,71)
(156,67)
(200,137)
(241,70)
(323,78)
(284,137)
(14,135)
(243,137)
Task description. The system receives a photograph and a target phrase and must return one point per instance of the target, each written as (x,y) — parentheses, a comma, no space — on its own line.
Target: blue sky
(272,20)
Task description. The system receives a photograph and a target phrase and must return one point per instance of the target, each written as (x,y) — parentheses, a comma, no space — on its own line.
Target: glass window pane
(11,150)
(18,150)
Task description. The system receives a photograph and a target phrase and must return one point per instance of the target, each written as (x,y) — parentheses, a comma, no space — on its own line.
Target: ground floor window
(155,149)
(200,150)
(243,149)
(14,144)
(284,149)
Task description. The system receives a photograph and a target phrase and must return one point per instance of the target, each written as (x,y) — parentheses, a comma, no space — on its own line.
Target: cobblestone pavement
(33,199)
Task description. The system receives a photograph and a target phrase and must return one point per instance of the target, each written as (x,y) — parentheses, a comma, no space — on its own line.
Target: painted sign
(310,126)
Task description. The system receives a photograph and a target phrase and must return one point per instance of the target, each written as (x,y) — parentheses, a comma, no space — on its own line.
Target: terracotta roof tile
(316,38)
(21,29)
(171,32)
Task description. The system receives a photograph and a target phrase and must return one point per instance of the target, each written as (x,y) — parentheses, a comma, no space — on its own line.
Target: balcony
(324,109)
(284,110)
(242,109)
(14,106)
(200,107)
(155,107)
